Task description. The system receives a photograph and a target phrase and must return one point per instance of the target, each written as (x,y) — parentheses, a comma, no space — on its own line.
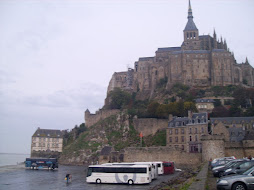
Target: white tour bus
(130,174)
(132,163)
(154,168)
(160,168)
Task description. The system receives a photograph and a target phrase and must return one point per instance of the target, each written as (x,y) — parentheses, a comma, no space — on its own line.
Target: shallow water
(19,178)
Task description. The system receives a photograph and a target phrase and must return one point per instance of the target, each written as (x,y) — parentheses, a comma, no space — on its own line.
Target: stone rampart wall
(181,158)
(149,126)
(91,119)
(213,146)
(45,154)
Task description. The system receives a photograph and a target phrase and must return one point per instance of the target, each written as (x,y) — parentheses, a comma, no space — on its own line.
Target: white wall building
(47,140)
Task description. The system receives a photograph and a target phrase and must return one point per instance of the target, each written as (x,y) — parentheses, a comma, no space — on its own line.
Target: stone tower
(190,33)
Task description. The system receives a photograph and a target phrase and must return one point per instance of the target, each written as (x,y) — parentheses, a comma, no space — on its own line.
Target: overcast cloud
(57,57)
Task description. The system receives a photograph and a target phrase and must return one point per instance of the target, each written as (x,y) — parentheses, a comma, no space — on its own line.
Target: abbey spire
(190,26)
(190,11)
(190,32)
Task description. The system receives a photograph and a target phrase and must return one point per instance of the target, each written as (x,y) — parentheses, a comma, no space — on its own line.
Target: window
(190,138)
(182,138)
(170,131)
(118,170)
(182,131)
(170,139)
(196,138)
(176,139)
(176,131)
(182,147)
(190,131)
(202,130)
(196,130)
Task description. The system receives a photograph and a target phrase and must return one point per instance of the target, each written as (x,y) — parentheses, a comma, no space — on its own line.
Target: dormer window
(38,134)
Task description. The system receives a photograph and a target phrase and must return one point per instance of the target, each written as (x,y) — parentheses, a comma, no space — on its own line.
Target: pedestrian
(210,162)
(250,157)
(68,178)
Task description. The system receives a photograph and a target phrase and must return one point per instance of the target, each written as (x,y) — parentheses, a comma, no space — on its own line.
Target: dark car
(234,182)
(218,171)
(239,167)
(220,163)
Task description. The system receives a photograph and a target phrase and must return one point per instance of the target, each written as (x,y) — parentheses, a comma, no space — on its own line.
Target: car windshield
(231,163)
(247,171)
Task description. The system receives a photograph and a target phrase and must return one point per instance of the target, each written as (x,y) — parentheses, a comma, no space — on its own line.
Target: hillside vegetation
(82,145)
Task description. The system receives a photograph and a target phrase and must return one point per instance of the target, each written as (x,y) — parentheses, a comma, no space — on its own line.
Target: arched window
(190,35)
(194,34)
(187,35)
(190,138)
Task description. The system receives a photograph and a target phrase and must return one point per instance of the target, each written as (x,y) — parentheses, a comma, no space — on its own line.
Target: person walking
(68,178)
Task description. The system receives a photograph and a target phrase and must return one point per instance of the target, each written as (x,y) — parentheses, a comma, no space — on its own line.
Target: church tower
(190,32)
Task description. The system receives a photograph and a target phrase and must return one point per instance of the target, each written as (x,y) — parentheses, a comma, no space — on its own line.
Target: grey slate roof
(106,150)
(196,51)
(204,100)
(146,58)
(50,133)
(219,50)
(190,26)
(204,36)
(166,49)
(230,120)
(236,134)
(197,118)
(249,135)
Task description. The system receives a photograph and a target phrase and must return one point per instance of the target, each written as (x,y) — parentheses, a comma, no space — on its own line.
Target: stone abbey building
(200,61)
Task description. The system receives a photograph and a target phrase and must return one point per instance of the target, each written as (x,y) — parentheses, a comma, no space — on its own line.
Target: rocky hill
(83,144)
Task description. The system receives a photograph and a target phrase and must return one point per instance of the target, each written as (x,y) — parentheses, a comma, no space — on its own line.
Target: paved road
(14,178)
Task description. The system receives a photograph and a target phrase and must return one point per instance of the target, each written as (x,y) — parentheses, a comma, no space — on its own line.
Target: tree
(189,106)
(162,111)
(217,103)
(119,99)
(219,111)
(152,108)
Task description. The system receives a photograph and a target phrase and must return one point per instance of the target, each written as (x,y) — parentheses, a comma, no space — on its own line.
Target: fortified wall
(214,146)
(91,119)
(144,154)
(149,126)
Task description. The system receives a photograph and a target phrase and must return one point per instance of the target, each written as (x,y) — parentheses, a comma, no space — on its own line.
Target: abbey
(200,61)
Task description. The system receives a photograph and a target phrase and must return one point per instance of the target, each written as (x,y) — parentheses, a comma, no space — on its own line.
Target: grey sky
(57,57)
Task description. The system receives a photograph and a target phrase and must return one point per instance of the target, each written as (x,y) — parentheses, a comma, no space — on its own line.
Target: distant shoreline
(15,153)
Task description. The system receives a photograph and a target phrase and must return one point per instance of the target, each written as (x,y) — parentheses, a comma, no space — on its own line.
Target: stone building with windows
(204,105)
(234,129)
(200,60)
(46,141)
(184,133)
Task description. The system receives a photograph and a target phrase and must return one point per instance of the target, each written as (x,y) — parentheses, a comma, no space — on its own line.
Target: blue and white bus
(41,163)
(129,174)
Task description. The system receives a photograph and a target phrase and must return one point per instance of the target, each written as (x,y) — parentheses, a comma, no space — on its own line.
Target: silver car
(244,181)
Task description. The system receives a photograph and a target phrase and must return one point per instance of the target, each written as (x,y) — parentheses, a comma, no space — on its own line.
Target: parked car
(219,170)
(244,181)
(220,163)
(239,167)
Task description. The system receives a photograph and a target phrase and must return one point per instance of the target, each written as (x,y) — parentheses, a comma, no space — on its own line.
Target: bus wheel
(98,181)
(130,182)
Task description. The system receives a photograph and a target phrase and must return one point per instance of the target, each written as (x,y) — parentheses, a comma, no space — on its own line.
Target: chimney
(189,114)
(170,117)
